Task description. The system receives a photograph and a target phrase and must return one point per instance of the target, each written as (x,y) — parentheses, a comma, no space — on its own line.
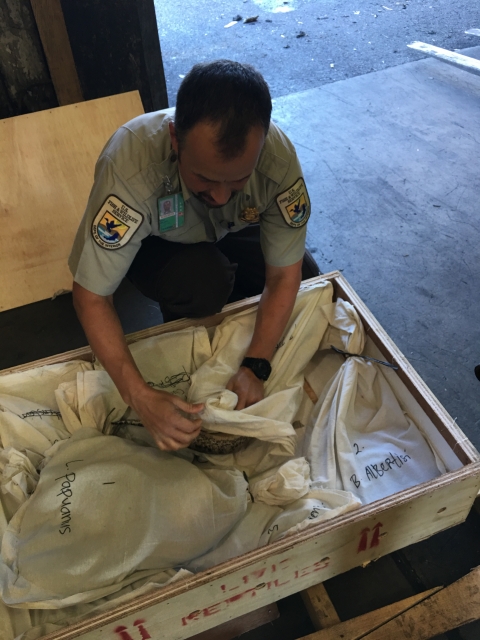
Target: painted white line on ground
(456,59)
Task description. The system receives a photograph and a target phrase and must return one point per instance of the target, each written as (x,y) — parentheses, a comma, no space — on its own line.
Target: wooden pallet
(419,617)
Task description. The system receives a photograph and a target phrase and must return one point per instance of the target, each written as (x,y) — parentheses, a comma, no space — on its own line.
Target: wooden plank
(452,607)
(473,32)
(360,627)
(47,162)
(234,628)
(56,45)
(181,610)
(309,391)
(450,57)
(320,608)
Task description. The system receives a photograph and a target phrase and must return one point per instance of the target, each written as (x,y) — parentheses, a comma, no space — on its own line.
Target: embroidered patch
(294,204)
(115,224)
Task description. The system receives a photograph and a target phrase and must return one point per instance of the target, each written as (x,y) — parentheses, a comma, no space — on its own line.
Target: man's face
(206,173)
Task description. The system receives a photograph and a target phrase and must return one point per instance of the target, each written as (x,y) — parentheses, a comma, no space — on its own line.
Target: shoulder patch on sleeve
(115,224)
(294,204)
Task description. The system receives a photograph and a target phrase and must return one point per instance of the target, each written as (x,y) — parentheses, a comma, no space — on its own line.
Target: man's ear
(173,137)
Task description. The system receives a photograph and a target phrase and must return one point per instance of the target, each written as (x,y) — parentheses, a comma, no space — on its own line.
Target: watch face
(260,367)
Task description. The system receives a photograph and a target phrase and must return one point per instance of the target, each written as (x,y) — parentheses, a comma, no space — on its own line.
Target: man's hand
(274,310)
(247,386)
(163,414)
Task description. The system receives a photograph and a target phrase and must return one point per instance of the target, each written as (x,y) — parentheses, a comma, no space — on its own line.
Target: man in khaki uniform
(197,206)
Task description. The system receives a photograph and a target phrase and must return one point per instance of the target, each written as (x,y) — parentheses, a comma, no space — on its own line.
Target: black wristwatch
(260,367)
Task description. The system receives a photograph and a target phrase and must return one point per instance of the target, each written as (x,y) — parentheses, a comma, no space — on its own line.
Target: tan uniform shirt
(137,170)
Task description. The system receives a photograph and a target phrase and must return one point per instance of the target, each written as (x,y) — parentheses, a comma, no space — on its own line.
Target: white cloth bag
(167,361)
(27,430)
(91,401)
(360,440)
(268,422)
(107,512)
(38,385)
(315,323)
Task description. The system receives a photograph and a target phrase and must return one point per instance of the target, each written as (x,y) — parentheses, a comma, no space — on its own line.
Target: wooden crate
(253,580)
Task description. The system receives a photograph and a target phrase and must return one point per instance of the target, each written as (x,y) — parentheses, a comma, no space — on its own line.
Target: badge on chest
(171,212)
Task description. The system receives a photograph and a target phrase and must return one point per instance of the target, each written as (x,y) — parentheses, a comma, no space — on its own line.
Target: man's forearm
(105,335)
(274,310)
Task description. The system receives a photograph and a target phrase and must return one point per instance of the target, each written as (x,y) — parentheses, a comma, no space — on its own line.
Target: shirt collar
(185,190)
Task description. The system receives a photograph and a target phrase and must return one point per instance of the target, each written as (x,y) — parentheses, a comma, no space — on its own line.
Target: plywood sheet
(47,161)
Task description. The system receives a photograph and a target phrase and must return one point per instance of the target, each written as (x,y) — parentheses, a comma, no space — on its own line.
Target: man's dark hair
(231,95)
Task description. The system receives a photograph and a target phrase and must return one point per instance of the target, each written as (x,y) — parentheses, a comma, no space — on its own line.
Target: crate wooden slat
(358,627)
(186,608)
(420,617)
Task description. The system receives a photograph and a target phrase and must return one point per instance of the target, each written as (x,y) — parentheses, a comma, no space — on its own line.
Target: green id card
(171,212)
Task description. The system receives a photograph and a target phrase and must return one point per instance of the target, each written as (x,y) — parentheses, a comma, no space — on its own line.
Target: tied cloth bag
(360,440)
(106,513)
(268,422)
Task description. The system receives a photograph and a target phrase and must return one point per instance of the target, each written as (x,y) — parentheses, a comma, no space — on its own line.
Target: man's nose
(221,194)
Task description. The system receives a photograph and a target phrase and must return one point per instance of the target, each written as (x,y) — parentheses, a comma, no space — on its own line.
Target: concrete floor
(391,163)
(342,38)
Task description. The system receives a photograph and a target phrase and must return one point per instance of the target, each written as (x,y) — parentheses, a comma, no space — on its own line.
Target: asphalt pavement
(303,44)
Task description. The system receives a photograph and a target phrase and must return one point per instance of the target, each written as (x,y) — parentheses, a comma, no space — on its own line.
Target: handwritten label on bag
(67,492)
(374,471)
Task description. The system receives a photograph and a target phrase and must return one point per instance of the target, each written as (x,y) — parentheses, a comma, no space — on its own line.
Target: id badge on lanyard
(171,209)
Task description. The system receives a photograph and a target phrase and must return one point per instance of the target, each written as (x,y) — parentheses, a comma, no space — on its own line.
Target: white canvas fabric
(19,476)
(246,536)
(27,430)
(168,361)
(317,505)
(360,440)
(160,510)
(315,323)
(263,524)
(286,484)
(26,425)
(232,337)
(38,385)
(92,401)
